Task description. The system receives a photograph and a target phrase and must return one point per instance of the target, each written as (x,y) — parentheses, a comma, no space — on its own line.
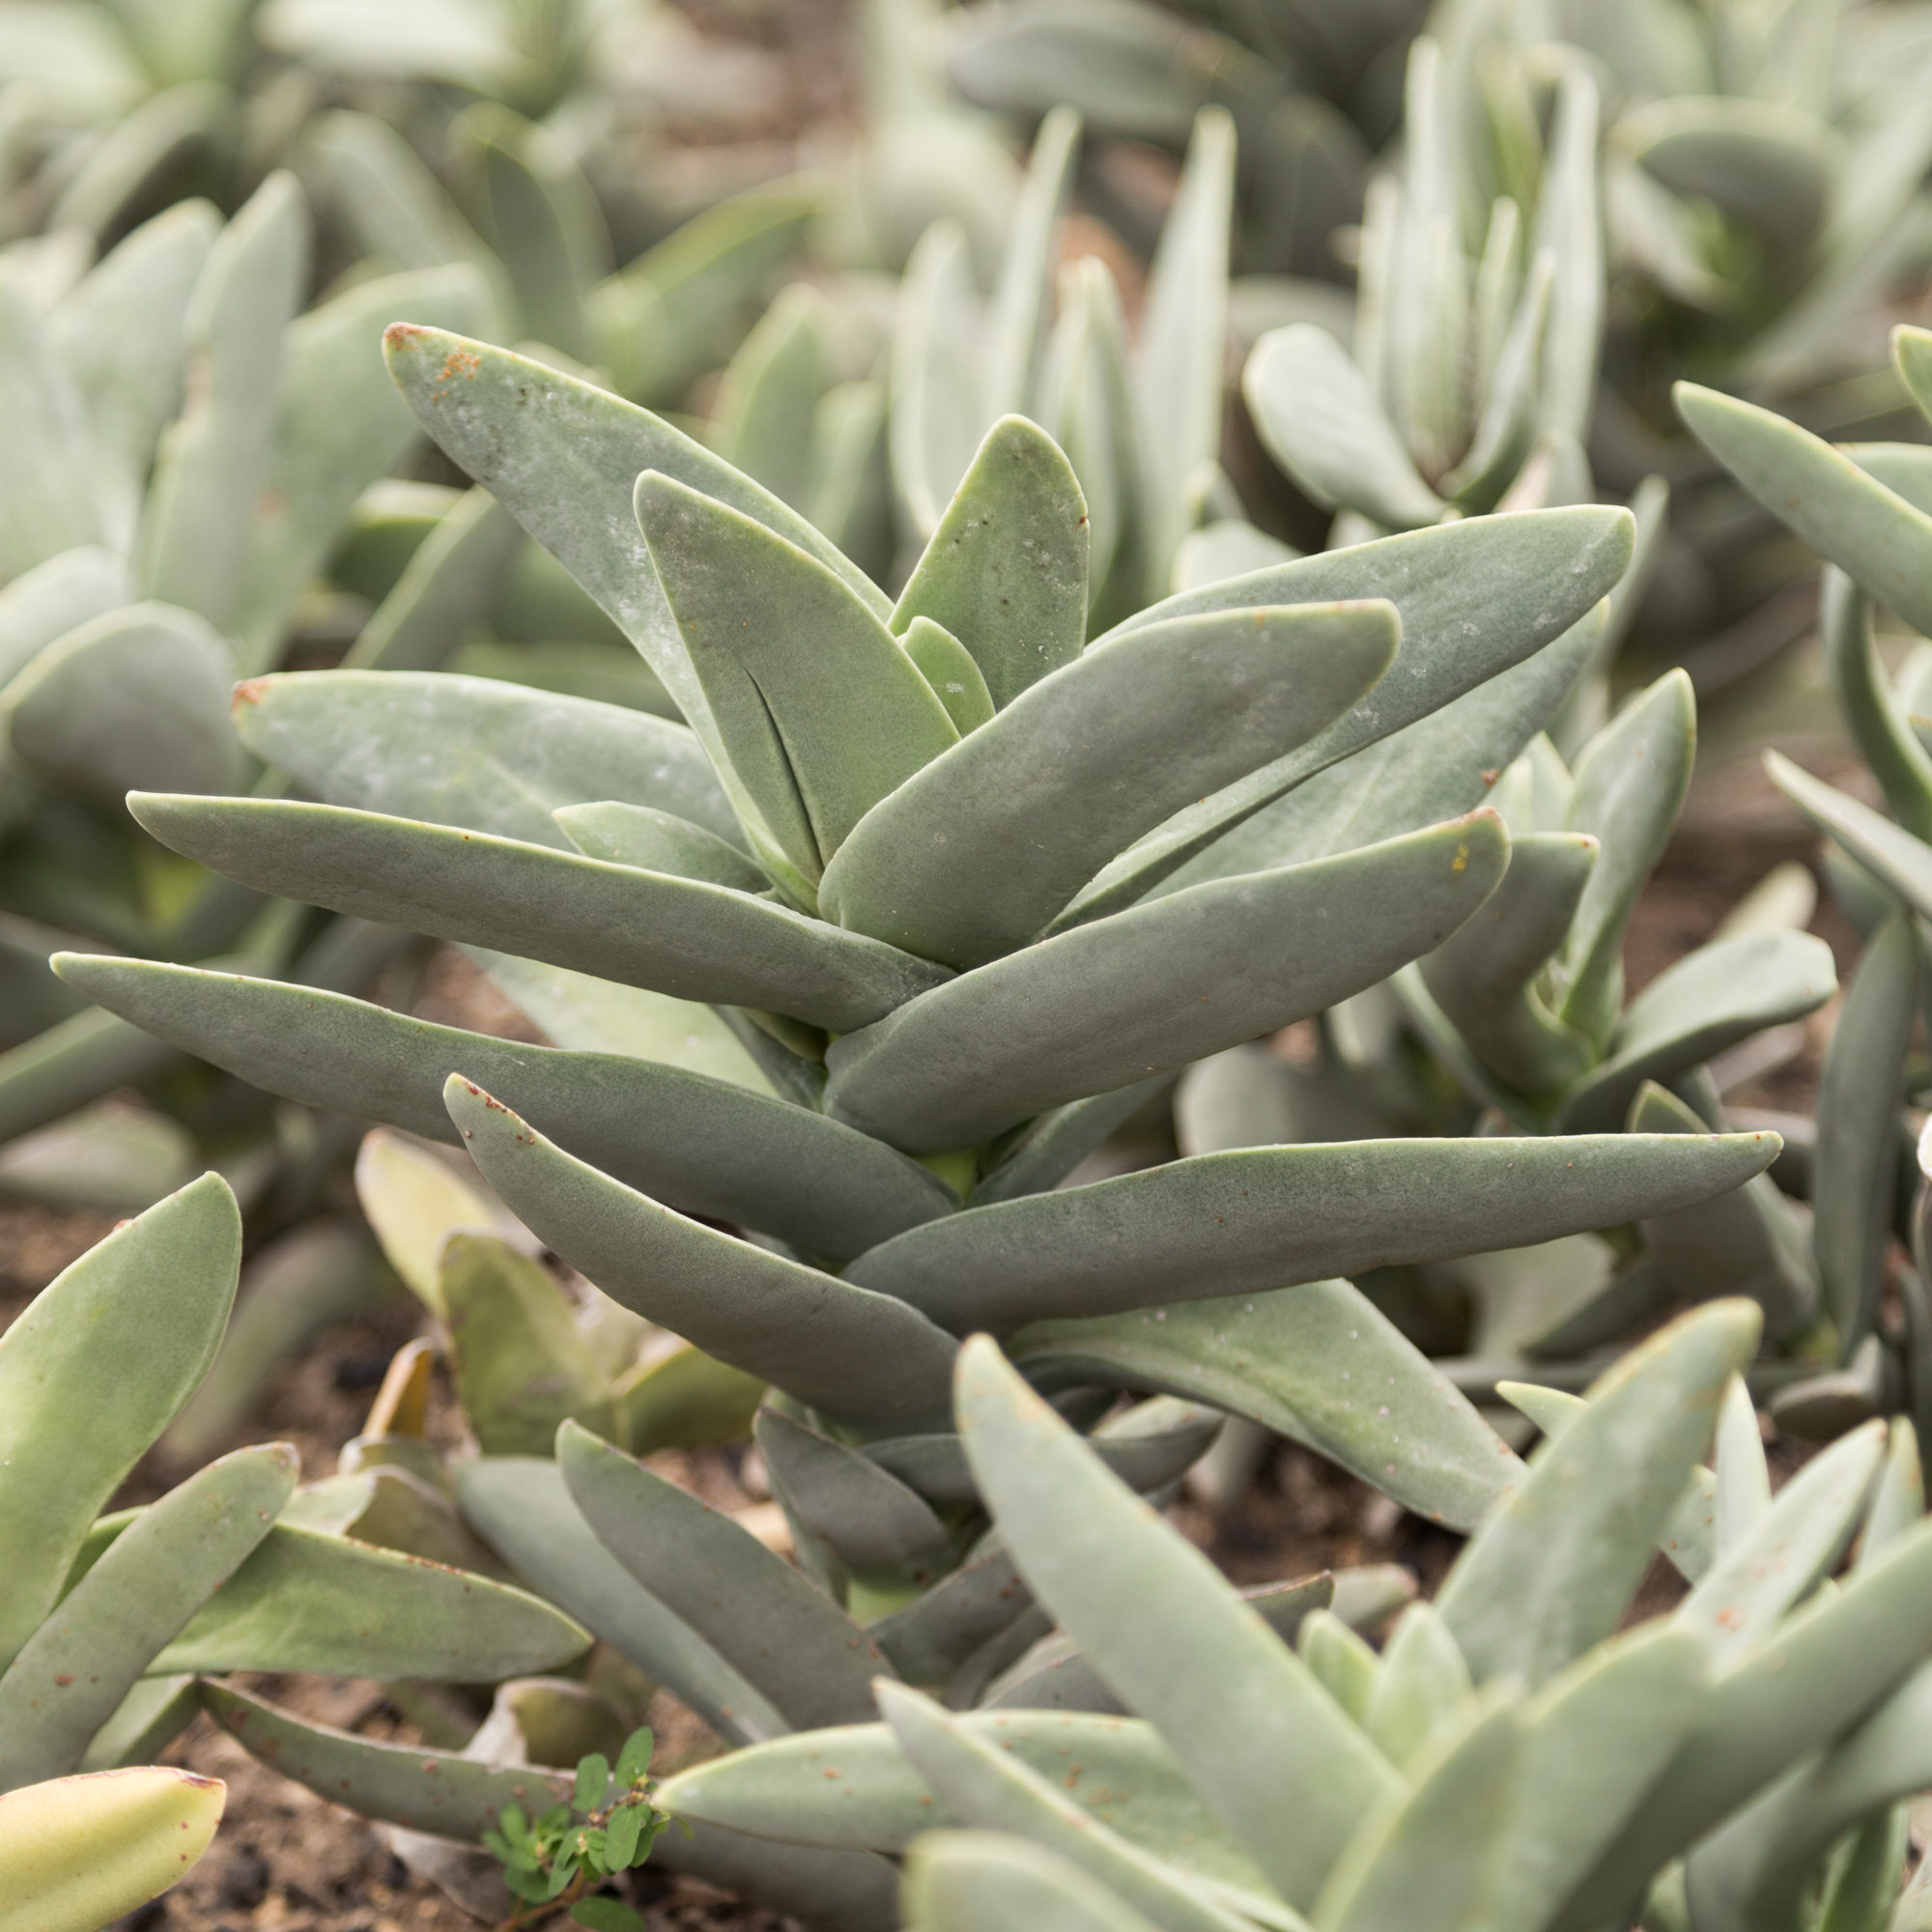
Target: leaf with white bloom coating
(972,856)
(1106,1005)
(1261,1219)
(841,1349)
(678,936)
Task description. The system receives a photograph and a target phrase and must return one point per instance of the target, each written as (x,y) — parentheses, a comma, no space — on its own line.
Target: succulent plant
(108,1618)
(1519,1023)
(1314,86)
(1863,508)
(874,464)
(189,448)
(1475,351)
(895,853)
(1516,1755)
(78,1851)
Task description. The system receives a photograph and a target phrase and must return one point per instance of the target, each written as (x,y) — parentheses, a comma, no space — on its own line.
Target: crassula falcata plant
(860,962)
(1518,1755)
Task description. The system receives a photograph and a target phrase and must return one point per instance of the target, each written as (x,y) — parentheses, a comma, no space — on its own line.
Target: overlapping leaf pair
(1511,1758)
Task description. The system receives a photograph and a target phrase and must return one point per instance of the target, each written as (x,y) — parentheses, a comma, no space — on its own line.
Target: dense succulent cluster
(1514,1756)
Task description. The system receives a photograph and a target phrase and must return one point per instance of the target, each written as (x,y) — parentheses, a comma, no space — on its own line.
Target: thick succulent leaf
(1261,1219)
(1254,1732)
(73,1674)
(1319,417)
(1855,1177)
(214,458)
(1057,1675)
(1507,426)
(1053,1145)
(983,1785)
(473,751)
(54,598)
(314,1603)
(1342,1662)
(1444,764)
(1423,1679)
(973,856)
(77,1060)
(1475,598)
(1878,722)
(1630,787)
(1128,1780)
(1105,1004)
(1830,1663)
(762,1616)
(524,1507)
(1430,1856)
(1019,317)
(137,1316)
(948,666)
(1690,1538)
(687,1400)
(584,1015)
(1480,978)
(985,1881)
(1753,1872)
(1745,1242)
(936,420)
(1592,1742)
(818,709)
(1764,162)
(422,1790)
(119,331)
(770,390)
(1741,1600)
(1551,1572)
(46,484)
(1850,518)
(1707,1000)
(838,1347)
(658,841)
(1900,863)
(543,216)
(711,1147)
(79,1852)
(875,1523)
(1272,1356)
(564,457)
(1179,369)
(152,1716)
(1004,571)
(670,935)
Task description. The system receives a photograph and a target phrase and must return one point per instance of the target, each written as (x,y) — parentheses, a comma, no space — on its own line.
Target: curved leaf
(762,1616)
(1004,571)
(1277,1358)
(70,1676)
(1251,1728)
(1258,1218)
(472,750)
(138,1317)
(677,936)
(840,1347)
(524,1508)
(972,856)
(709,1146)
(1106,1005)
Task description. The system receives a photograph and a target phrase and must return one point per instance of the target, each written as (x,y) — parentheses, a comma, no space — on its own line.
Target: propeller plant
(903,854)
(1517,1755)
